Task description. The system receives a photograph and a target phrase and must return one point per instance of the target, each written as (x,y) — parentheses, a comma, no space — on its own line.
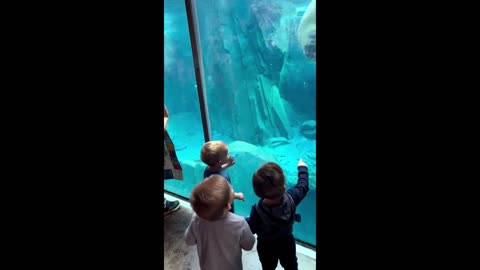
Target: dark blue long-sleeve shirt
(280,212)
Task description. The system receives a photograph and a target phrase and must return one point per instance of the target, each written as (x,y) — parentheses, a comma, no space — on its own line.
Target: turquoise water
(260,95)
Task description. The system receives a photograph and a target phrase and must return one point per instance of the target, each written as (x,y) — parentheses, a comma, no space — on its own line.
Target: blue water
(260,89)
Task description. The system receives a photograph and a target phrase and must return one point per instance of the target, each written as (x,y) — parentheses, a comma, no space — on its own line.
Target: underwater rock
(180,147)
(297,84)
(248,158)
(279,111)
(244,92)
(195,168)
(271,113)
(276,141)
(308,129)
(311,156)
(244,149)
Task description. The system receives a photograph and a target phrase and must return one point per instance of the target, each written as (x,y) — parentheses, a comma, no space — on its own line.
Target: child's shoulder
(254,206)
(223,172)
(207,172)
(234,218)
(195,218)
(210,171)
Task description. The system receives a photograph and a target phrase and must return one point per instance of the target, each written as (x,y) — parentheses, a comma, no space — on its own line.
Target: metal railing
(197,62)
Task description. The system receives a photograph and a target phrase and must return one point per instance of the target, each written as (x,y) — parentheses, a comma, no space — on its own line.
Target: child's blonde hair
(210,198)
(212,152)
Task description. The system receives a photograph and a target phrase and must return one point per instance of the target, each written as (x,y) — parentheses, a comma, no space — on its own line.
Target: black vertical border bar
(197,62)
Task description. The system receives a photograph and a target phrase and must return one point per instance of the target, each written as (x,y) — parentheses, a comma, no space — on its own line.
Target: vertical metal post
(192,18)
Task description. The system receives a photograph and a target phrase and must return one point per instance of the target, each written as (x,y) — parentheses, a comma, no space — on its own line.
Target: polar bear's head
(307,31)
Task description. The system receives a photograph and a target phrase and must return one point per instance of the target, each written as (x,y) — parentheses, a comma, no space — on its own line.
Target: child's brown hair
(210,197)
(212,151)
(269,181)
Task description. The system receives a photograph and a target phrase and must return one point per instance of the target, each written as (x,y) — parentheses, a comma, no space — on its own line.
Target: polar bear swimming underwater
(307,31)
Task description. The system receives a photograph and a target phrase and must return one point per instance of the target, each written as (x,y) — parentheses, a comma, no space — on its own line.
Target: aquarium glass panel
(261,94)
(181,98)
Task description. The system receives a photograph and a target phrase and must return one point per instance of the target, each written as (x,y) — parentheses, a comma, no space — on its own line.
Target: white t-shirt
(220,243)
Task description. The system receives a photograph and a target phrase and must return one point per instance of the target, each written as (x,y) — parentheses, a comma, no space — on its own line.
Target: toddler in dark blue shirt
(215,155)
(273,216)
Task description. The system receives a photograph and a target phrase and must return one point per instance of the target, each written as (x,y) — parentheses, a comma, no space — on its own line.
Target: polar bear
(307,31)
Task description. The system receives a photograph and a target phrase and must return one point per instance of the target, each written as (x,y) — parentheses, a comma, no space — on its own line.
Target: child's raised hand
(231,161)
(239,196)
(301,163)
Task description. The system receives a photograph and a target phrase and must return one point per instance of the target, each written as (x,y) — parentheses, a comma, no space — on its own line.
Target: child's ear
(284,188)
(229,206)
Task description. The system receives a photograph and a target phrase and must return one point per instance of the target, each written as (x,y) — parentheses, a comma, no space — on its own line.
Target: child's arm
(238,196)
(189,236)
(299,191)
(247,240)
(252,220)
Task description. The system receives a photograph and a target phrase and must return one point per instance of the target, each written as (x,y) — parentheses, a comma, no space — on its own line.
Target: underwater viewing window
(260,94)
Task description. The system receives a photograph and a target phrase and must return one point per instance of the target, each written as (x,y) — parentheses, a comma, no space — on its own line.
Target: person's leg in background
(171,167)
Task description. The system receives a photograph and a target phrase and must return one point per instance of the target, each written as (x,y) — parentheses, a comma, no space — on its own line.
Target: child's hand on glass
(301,163)
(239,196)
(230,161)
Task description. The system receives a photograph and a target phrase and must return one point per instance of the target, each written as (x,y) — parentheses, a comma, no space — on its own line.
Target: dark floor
(179,256)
